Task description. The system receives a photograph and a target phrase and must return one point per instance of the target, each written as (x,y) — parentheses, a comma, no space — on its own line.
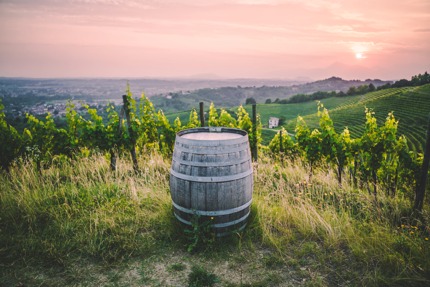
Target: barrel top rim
(212,130)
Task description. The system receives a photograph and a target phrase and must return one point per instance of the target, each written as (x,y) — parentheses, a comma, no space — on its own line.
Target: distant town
(39,97)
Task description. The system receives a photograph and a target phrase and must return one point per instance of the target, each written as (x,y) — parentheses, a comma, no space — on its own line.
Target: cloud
(422,30)
(270,32)
(347,30)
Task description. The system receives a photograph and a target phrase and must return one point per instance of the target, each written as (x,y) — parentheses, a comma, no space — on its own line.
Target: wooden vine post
(131,133)
(202,115)
(281,148)
(254,143)
(421,184)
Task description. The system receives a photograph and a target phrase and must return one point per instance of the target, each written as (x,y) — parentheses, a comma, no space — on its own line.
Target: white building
(273,122)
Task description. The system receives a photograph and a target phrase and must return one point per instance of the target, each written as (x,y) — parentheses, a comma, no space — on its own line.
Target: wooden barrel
(211,176)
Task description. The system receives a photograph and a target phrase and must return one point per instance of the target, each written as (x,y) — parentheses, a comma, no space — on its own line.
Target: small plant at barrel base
(201,233)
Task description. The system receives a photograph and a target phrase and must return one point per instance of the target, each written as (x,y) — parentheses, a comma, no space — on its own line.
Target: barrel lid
(212,133)
(211,136)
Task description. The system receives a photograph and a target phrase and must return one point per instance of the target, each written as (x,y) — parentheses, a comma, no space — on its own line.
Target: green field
(411,106)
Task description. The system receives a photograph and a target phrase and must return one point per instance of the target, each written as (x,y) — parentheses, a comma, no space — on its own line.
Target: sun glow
(360,49)
(360,56)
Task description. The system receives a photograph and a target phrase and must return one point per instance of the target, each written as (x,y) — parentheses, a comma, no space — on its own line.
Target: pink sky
(386,39)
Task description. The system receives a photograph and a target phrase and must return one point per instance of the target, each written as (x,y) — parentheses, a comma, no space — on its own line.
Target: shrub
(199,277)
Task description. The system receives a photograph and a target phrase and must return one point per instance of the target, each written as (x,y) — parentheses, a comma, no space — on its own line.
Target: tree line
(417,80)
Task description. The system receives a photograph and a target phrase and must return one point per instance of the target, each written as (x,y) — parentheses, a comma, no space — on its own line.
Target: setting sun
(359,56)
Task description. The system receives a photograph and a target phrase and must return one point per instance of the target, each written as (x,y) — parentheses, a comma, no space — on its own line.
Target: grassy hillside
(79,224)
(411,106)
(234,96)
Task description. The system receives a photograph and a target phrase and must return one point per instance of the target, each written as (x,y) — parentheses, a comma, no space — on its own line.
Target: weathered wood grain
(211,176)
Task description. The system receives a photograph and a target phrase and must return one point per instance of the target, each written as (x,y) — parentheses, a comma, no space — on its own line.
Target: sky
(282,39)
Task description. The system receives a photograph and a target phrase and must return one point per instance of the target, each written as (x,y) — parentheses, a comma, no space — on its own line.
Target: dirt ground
(257,267)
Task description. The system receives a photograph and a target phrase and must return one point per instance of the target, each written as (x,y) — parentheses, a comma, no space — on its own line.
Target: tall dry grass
(81,209)
(337,225)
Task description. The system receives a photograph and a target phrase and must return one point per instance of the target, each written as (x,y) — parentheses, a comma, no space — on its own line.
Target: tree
(341,94)
(351,91)
(282,120)
(268,101)
(419,79)
(401,83)
(362,89)
(250,101)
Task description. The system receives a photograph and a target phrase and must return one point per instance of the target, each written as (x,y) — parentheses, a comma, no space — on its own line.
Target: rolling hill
(236,95)
(411,106)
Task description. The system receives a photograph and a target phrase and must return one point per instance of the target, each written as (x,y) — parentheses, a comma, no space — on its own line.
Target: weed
(177,267)
(201,234)
(199,277)
(273,261)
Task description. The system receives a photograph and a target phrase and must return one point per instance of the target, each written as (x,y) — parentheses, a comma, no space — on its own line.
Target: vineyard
(333,206)
(378,153)
(411,106)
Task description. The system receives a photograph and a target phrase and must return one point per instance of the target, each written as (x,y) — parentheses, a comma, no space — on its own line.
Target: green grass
(78,223)
(183,116)
(200,277)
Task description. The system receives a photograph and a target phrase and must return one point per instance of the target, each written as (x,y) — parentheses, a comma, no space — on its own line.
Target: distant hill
(237,95)
(111,89)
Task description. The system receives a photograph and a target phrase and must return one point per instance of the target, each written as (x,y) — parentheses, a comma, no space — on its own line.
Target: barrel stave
(212,179)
